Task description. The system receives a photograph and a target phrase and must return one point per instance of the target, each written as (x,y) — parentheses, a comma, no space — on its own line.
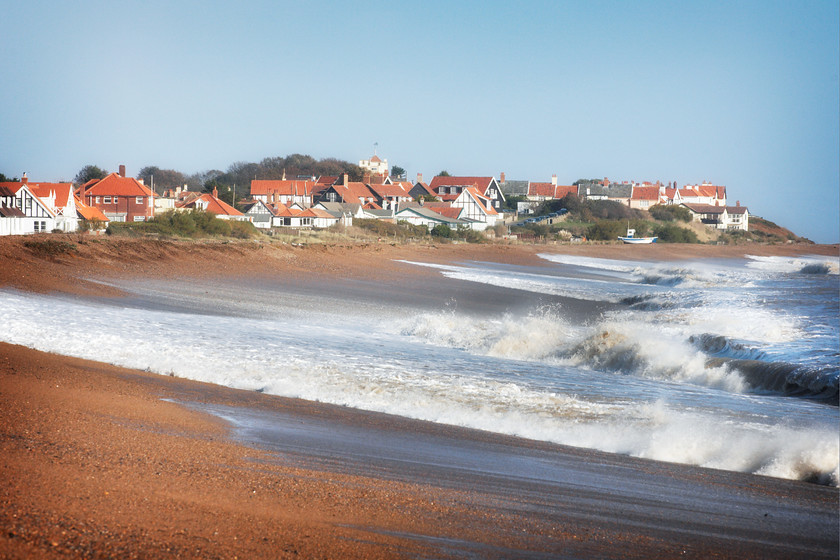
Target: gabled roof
(431,215)
(443,209)
(315,213)
(393,190)
(213,205)
(704,208)
(562,190)
(442,181)
(353,191)
(645,193)
(9,188)
(326,180)
(541,189)
(117,185)
(481,200)
(425,187)
(90,213)
(515,188)
(375,159)
(63,192)
(281,187)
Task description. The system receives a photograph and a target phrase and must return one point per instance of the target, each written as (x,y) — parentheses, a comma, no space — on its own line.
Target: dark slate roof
(515,188)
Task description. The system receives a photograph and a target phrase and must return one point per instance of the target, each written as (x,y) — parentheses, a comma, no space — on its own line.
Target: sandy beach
(101,461)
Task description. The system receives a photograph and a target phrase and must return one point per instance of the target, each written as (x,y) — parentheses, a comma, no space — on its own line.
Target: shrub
(442,230)
(50,247)
(670,213)
(606,230)
(670,233)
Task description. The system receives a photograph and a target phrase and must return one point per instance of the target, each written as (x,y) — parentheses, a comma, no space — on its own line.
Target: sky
(738,93)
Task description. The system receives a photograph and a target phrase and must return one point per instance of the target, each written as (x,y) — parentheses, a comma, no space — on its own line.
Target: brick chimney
(345,179)
(554,179)
(122,170)
(502,177)
(366,178)
(419,177)
(24,179)
(215,192)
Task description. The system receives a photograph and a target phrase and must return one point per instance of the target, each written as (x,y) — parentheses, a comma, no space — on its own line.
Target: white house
(421,216)
(476,209)
(23,212)
(720,217)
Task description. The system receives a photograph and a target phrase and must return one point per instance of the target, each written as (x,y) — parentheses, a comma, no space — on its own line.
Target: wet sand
(100,461)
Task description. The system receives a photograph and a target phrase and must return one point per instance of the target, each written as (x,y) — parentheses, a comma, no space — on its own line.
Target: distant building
(120,198)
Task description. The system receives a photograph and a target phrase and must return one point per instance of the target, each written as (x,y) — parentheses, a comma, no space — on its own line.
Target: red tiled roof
(213,205)
(63,192)
(315,213)
(326,180)
(389,191)
(444,210)
(116,185)
(562,190)
(541,189)
(375,159)
(354,192)
(279,187)
(481,182)
(9,188)
(645,193)
(90,213)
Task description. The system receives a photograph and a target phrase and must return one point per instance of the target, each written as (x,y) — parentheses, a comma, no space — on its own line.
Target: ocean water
(727,364)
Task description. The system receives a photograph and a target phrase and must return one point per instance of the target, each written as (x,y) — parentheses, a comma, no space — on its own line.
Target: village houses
(460,202)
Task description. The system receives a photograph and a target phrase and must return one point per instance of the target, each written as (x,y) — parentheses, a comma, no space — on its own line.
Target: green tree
(161,179)
(4,179)
(444,173)
(397,172)
(442,230)
(88,173)
(606,230)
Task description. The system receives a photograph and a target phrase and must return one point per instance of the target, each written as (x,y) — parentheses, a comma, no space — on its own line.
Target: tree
(398,172)
(444,173)
(161,179)
(89,172)
(4,178)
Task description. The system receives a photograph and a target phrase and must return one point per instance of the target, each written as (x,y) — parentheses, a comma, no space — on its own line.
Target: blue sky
(743,94)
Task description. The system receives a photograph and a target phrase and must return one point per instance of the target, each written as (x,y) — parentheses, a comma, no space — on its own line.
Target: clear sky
(739,93)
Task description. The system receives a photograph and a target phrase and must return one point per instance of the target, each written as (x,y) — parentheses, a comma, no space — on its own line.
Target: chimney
(345,179)
(366,178)
(122,170)
(215,192)
(502,177)
(24,179)
(738,203)
(419,177)
(554,179)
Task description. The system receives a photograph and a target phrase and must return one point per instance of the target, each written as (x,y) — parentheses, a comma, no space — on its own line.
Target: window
(106,200)
(139,200)
(97,200)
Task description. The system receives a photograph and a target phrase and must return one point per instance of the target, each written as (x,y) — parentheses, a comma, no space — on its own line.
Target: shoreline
(103,461)
(106,461)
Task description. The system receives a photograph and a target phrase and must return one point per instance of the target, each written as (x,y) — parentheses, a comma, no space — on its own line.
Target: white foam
(445,368)
(811,264)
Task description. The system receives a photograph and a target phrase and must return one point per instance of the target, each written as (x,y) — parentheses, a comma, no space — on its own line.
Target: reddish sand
(95,464)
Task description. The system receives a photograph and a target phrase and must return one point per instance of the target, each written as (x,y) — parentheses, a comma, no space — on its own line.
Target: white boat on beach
(632,239)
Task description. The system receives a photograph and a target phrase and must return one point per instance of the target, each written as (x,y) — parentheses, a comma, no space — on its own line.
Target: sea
(729,364)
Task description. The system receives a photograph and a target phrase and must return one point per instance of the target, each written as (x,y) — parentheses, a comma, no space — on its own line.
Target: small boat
(632,239)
